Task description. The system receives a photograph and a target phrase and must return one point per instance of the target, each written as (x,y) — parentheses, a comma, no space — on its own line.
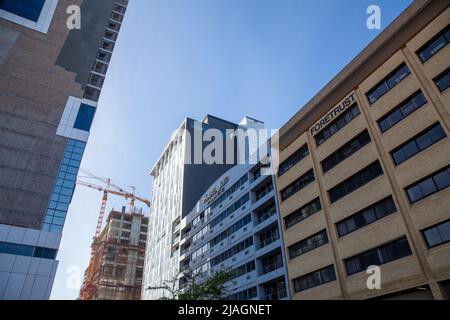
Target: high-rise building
(364,170)
(235,227)
(50,82)
(181,178)
(117,258)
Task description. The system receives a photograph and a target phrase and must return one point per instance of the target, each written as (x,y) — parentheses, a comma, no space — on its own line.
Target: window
(388,83)
(308,244)
(295,158)
(275,290)
(271,262)
(355,182)
(231,230)
(265,213)
(420,142)
(437,235)
(337,124)
(315,279)
(232,251)
(242,270)
(346,151)
(63,190)
(304,212)
(403,110)
(84,118)
(28,251)
(384,254)
(297,185)
(263,191)
(28,9)
(443,80)
(244,295)
(428,186)
(230,191)
(366,216)
(434,45)
(235,206)
(268,237)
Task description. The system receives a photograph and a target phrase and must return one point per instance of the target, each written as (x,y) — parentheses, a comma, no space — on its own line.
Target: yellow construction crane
(110,188)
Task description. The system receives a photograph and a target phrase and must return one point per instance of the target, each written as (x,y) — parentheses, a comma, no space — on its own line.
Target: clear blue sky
(229,58)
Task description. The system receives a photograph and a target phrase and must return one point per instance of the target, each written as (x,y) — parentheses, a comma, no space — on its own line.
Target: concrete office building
(179,182)
(117,258)
(235,227)
(364,170)
(50,82)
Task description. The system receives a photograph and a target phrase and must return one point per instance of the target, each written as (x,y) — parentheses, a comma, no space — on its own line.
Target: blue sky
(228,58)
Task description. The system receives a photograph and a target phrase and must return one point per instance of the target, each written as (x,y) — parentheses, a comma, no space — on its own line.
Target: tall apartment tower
(117,259)
(364,170)
(235,227)
(180,180)
(50,82)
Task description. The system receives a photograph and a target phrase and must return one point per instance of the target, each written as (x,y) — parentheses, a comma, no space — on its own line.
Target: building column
(341,276)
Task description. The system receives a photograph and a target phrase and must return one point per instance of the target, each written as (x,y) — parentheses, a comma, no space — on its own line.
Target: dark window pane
(28,9)
(85,117)
(442,180)
(414,194)
(432,237)
(427,187)
(436,44)
(443,81)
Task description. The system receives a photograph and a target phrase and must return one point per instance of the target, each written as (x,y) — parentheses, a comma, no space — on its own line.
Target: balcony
(267,242)
(279,295)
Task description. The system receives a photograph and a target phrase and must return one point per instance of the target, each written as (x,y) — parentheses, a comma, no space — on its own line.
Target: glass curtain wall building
(51,78)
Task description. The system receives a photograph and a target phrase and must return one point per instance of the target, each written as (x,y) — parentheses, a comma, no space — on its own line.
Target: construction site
(118,250)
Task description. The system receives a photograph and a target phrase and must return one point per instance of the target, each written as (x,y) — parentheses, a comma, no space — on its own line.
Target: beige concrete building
(364,170)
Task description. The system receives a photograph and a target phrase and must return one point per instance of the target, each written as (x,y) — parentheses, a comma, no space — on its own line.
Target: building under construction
(117,258)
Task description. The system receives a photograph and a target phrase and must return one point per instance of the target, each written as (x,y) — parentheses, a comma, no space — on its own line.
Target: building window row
(64,187)
(244,295)
(28,251)
(386,253)
(418,143)
(235,206)
(402,111)
(267,237)
(295,158)
(434,45)
(199,252)
(304,212)
(232,229)
(271,262)
(443,80)
(298,185)
(308,244)
(355,182)
(200,234)
(437,235)
(389,82)
(426,187)
(339,123)
(315,279)
(243,270)
(346,151)
(265,213)
(263,191)
(366,216)
(230,191)
(232,251)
